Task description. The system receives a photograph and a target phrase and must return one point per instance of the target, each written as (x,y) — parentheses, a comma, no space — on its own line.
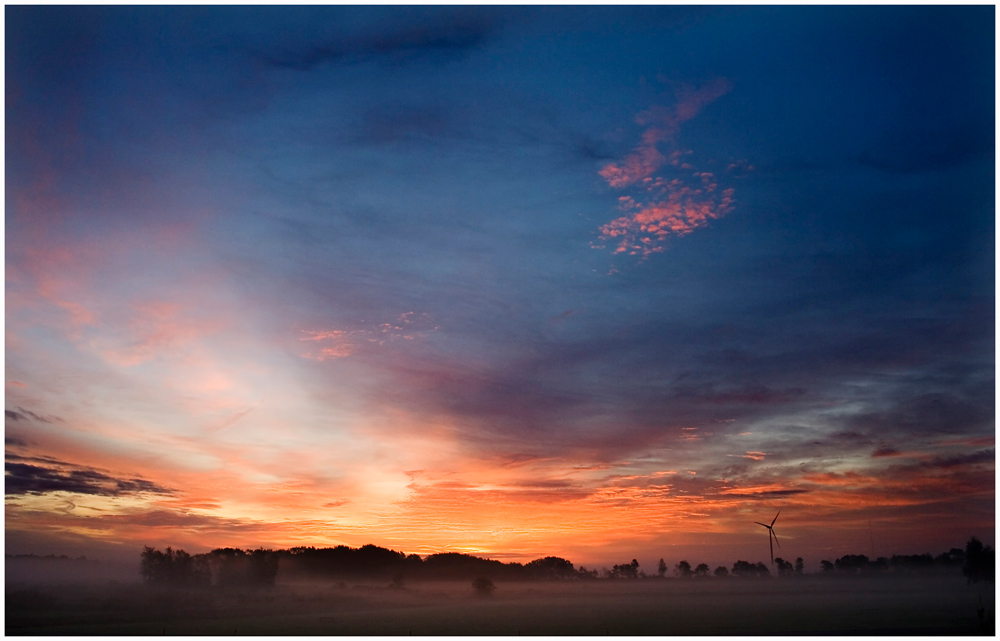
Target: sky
(596,282)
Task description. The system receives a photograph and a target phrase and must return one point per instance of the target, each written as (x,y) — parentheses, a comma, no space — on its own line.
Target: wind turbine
(770,534)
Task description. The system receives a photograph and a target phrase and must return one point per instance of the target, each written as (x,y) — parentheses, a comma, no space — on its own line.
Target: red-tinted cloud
(662,124)
(664,207)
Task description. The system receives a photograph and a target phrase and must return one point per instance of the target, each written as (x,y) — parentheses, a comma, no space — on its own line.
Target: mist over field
(61,570)
(812,605)
(64,596)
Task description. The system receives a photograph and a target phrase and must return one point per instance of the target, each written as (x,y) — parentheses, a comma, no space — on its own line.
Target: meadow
(808,605)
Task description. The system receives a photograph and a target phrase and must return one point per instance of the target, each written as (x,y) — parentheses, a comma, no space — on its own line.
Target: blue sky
(688,264)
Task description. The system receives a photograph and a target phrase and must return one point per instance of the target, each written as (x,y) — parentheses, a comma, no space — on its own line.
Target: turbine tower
(770,535)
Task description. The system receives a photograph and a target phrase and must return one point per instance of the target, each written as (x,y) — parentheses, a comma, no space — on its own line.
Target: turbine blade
(775,538)
(764,524)
(775,517)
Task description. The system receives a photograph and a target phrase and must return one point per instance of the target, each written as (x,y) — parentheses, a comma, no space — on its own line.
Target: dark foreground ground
(809,605)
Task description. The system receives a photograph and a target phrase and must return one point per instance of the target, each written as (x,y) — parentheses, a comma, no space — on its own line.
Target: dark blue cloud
(454,35)
(26,478)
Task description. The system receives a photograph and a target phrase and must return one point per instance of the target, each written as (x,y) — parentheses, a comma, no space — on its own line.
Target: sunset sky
(603,283)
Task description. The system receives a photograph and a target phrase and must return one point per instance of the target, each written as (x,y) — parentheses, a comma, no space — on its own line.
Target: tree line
(224,567)
(236,567)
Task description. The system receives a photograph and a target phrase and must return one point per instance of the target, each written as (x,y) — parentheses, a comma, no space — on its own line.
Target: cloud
(962,460)
(691,100)
(451,37)
(24,478)
(664,207)
(336,344)
(341,343)
(662,125)
(22,414)
(158,329)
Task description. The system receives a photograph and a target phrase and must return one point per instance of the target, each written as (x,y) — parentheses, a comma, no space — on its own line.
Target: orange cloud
(337,344)
(341,343)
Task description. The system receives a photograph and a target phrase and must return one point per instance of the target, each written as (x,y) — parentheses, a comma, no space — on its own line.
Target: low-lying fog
(76,597)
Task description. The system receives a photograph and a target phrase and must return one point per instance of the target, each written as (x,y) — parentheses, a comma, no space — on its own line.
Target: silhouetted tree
(745,569)
(721,572)
(173,567)
(551,567)
(800,566)
(683,570)
(262,568)
(860,564)
(980,562)
(625,571)
(912,563)
(784,567)
(701,570)
(453,565)
(229,566)
(661,569)
(483,586)
(827,566)
(954,556)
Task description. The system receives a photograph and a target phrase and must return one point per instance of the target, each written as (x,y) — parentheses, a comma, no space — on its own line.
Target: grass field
(807,605)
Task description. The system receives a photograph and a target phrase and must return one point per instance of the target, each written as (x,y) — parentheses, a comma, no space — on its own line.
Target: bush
(483,586)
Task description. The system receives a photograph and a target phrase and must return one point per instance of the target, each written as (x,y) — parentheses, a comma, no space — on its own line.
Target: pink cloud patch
(669,207)
(685,210)
(341,343)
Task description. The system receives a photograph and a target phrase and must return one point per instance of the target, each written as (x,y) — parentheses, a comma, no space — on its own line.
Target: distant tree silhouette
(256,568)
(745,569)
(856,564)
(229,566)
(551,567)
(453,565)
(483,586)
(263,567)
(954,557)
(860,564)
(851,563)
(173,567)
(980,562)
(920,563)
(625,571)
(236,568)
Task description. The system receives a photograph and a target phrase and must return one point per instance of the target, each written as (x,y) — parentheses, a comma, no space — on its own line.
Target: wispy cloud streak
(662,206)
